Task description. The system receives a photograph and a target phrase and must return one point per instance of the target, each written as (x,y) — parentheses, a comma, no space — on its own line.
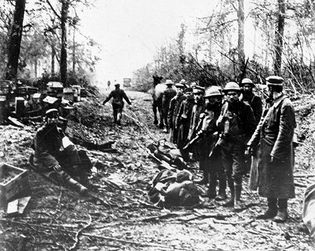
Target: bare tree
(279,37)
(15,40)
(63,55)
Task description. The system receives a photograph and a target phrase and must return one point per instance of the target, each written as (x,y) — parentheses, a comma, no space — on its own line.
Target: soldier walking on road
(274,136)
(236,124)
(118,96)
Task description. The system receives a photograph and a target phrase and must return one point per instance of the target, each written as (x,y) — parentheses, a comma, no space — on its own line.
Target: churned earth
(124,219)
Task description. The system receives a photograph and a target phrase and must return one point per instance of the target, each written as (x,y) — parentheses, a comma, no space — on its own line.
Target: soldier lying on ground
(174,188)
(57,158)
(166,152)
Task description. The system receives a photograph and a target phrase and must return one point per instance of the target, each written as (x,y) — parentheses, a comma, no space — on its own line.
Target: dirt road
(59,219)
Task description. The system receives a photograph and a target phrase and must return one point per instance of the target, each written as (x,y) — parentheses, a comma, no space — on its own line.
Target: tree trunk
(53,53)
(240,21)
(73,52)
(15,41)
(35,68)
(279,37)
(63,56)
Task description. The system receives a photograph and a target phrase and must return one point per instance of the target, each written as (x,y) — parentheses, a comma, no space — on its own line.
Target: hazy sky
(131,31)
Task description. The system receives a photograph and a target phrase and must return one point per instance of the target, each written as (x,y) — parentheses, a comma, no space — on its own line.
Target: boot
(230,202)
(271,211)
(212,187)
(282,214)
(222,187)
(237,197)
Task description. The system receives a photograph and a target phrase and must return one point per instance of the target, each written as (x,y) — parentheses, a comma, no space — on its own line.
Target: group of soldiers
(223,127)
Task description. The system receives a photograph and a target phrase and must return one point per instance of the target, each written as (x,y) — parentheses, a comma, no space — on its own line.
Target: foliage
(215,55)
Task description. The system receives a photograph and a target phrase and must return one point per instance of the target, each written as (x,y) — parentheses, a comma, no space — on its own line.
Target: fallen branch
(79,232)
(124,241)
(205,216)
(163,216)
(244,222)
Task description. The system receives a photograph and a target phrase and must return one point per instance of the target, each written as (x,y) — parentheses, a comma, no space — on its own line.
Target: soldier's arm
(258,108)
(108,98)
(170,112)
(126,98)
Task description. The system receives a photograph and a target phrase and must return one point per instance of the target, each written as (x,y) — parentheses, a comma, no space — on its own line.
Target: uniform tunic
(274,135)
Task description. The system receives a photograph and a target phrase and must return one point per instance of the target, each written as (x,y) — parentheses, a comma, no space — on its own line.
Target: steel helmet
(232,86)
(169,82)
(247,81)
(213,91)
(198,89)
(275,81)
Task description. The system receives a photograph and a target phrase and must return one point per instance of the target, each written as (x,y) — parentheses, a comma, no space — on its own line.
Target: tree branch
(52,8)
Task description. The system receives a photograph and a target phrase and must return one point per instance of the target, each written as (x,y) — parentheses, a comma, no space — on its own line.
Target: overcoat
(172,116)
(183,119)
(274,135)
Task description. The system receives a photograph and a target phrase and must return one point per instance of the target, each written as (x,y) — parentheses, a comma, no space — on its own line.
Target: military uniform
(168,94)
(274,137)
(236,124)
(173,112)
(183,119)
(53,157)
(118,96)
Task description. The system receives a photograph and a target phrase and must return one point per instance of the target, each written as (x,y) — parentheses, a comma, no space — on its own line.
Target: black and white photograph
(157,125)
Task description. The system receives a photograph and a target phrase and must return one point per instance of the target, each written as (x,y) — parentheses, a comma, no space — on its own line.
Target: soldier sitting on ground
(57,158)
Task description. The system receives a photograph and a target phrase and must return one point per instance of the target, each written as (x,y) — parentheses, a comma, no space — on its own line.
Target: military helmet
(183,81)
(180,85)
(169,82)
(213,91)
(198,89)
(231,86)
(52,113)
(274,81)
(247,81)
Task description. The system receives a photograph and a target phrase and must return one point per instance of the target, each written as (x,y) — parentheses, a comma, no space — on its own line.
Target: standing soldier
(183,119)
(118,96)
(173,111)
(168,94)
(195,121)
(198,108)
(256,104)
(254,101)
(210,155)
(274,134)
(236,124)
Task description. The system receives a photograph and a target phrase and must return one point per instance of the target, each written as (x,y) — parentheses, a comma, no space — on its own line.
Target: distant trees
(41,43)
(281,35)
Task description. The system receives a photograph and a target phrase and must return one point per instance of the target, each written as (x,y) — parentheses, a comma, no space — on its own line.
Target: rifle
(216,145)
(192,141)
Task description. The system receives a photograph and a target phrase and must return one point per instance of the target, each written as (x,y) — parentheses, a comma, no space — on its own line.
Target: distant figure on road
(108,85)
(118,96)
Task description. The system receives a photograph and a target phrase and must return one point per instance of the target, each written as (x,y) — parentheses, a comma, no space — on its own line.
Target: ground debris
(119,215)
